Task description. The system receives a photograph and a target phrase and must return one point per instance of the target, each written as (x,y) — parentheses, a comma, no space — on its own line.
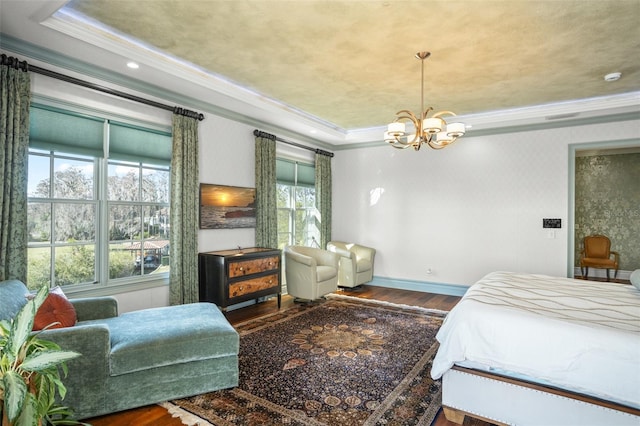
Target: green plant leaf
(20,329)
(39,361)
(40,296)
(15,393)
(29,416)
(5,326)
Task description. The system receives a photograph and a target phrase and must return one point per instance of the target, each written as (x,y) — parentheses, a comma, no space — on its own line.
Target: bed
(535,349)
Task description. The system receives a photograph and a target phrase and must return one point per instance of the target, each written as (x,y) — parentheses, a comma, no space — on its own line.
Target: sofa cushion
(56,311)
(13,296)
(157,337)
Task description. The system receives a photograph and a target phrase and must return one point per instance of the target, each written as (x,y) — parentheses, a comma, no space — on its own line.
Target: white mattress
(574,334)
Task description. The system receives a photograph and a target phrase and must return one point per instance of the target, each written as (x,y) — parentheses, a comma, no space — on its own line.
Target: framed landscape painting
(225,207)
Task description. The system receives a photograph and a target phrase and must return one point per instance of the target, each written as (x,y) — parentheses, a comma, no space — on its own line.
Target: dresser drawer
(253,266)
(249,286)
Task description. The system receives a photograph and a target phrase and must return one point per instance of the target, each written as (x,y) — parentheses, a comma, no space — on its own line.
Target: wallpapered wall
(608,202)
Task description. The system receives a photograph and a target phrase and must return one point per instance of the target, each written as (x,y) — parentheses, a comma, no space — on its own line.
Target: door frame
(573,148)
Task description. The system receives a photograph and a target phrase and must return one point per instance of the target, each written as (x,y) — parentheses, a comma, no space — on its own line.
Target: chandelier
(433,131)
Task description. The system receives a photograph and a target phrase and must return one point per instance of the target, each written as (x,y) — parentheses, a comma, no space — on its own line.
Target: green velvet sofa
(141,357)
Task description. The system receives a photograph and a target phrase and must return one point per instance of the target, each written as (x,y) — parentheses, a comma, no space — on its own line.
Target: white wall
(226,158)
(474,207)
(464,211)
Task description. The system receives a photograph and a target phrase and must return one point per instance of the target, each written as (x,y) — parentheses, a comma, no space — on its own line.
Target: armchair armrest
(92,308)
(342,252)
(300,258)
(363,252)
(616,255)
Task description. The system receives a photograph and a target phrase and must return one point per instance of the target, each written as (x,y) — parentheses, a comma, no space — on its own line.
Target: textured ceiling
(351,63)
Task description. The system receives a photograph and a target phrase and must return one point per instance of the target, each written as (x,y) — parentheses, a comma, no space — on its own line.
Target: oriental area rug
(340,361)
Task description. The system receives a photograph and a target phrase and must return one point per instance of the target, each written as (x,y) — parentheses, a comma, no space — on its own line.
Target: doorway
(604,197)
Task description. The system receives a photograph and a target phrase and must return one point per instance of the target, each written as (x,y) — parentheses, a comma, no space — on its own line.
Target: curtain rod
(24,66)
(260,133)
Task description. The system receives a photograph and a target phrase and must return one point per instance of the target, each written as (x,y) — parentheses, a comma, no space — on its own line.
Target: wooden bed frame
(504,400)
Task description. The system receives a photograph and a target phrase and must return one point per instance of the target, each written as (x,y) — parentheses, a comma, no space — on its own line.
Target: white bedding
(574,334)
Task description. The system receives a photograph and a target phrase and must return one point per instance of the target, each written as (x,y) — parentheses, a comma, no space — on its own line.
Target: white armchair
(310,272)
(356,263)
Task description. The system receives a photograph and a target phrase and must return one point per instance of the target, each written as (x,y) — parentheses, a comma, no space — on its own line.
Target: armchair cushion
(363,265)
(324,273)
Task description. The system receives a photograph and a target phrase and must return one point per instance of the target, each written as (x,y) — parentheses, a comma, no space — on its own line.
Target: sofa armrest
(91,341)
(92,308)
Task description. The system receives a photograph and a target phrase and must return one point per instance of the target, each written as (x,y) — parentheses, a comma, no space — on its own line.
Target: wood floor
(154,415)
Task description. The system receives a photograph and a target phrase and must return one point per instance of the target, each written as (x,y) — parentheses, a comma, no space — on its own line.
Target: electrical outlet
(552,223)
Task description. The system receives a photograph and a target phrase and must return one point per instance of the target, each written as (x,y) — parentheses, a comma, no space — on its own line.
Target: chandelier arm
(401,146)
(409,116)
(427,111)
(436,146)
(406,115)
(441,113)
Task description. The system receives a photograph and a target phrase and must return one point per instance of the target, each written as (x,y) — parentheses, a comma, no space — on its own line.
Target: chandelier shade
(433,131)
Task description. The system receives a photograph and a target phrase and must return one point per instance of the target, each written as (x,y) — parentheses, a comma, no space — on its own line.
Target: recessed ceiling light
(313,131)
(133,65)
(614,76)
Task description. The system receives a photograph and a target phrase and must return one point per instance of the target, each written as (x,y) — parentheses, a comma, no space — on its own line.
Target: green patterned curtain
(184,211)
(15,95)
(323,196)
(266,203)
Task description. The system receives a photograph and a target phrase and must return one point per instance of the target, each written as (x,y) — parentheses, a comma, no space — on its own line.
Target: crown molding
(44,57)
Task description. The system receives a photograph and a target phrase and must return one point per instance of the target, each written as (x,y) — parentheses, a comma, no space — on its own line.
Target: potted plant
(30,372)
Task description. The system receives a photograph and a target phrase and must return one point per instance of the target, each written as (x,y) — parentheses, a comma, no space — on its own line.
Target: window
(298,220)
(96,219)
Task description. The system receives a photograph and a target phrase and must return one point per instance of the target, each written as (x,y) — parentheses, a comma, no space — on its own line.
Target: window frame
(293,209)
(102,284)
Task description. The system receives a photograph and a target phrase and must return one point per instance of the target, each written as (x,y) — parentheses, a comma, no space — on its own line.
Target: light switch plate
(552,223)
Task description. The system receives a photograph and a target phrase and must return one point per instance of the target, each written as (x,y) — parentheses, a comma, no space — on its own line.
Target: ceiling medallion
(433,131)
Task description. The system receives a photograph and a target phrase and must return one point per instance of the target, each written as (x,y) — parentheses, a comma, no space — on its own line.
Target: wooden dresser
(228,277)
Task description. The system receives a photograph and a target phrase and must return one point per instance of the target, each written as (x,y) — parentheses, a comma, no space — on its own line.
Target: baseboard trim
(424,286)
(602,273)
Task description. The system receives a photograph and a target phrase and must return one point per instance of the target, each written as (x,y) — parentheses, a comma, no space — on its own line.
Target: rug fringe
(382,302)
(185,417)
